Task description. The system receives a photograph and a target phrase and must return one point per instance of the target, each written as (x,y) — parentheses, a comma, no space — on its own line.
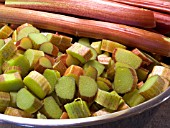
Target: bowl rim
(31,122)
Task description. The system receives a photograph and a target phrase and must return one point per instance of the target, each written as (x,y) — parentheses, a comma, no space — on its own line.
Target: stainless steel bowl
(29,122)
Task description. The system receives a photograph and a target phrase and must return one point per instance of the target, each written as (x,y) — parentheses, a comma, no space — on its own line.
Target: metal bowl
(29,122)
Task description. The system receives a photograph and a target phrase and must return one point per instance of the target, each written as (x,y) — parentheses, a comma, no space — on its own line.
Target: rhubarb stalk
(130,36)
(96,9)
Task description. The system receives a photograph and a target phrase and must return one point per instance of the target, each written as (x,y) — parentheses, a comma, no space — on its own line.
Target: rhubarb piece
(4,101)
(107,99)
(159,5)
(115,12)
(42,64)
(23,26)
(101,112)
(125,56)
(62,58)
(24,44)
(41,116)
(70,60)
(27,101)
(99,67)
(13,99)
(79,51)
(50,108)
(33,56)
(65,89)
(110,72)
(5,32)
(74,71)
(13,69)
(126,35)
(17,112)
(152,87)
(62,42)
(57,99)
(142,74)
(94,53)
(60,67)
(87,88)
(84,41)
(52,77)
(38,84)
(37,39)
(49,48)
(91,71)
(125,80)
(21,61)
(24,32)
(97,46)
(104,84)
(105,60)
(14,35)
(64,116)
(8,50)
(133,98)
(77,109)
(161,71)
(145,60)
(11,82)
(109,46)
(2,43)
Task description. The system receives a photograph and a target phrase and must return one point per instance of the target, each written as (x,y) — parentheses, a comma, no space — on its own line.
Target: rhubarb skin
(158,5)
(129,36)
(97,9)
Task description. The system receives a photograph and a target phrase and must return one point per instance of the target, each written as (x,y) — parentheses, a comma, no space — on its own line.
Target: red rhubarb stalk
(158,5)
(96,9)
(130,36)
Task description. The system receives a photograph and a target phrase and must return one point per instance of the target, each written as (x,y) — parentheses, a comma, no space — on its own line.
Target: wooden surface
(158,117)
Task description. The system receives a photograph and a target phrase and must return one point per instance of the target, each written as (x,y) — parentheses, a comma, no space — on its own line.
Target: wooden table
(158,117)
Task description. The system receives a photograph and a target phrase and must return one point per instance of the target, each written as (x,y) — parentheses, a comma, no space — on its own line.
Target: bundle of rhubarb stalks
(63,59)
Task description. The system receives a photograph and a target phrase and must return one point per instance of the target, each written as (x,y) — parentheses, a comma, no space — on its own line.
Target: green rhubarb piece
(27,101)
(107,99)
(24,44)
(12,69)
(104,84)
(17,112)
(15,35)
(49,49)
(77,109)
(38,84)
(127,57)
(8,50)
(87,88)
(70,60)
(97,46)
(109,46)
(37,39)
(5,32)
(79,51)
(2,43)
(84,41)
(94,53)
(65,89)
(142,74)
(51,76)
(152,87)
(21,61)
(125,80)
(13,97)
(133,98)
(91,72)
(24,32)
(100,68)
(11,82)
(62,42)
(33,56)
(41,116)
(4,101)
(50,108)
